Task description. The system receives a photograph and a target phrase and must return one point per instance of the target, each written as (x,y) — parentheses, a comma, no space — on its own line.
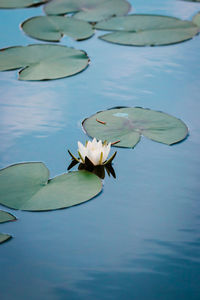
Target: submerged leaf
(4,237)
(92,11)
(43,61)
(129,123)
(52,28)
(147,30)
(26,186)
(6,217)
(20,3)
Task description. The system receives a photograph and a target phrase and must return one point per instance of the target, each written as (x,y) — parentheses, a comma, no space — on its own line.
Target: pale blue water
(139,239)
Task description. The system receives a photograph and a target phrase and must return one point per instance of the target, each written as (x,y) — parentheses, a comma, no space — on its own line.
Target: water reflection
(178,8)
(167,276)
(99,170)
(26,109)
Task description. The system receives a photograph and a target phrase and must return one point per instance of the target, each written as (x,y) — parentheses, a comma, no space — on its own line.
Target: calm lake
(140,238)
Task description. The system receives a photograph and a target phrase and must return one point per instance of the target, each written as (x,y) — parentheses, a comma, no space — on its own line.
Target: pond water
(139,239)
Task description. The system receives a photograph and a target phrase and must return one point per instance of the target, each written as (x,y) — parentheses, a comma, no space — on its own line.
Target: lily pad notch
(147,30)
(53,28)
(124,126)
(43,61)
(26,186)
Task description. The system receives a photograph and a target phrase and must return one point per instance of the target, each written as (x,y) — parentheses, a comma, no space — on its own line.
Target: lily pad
(147,30)
(43,61)
(92,11)
(53,28)
(6,217)
(124,126)
(4,237)
(26,186)
(20,3)
(196,19)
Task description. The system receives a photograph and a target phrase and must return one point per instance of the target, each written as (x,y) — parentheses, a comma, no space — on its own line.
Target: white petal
(99,144)
(96,158)
(83,151)
(94,143)
(106,151)
(89,144)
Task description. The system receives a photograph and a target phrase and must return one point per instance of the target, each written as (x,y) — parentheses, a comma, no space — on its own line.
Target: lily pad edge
(12,216)
(39,3)
(7,237)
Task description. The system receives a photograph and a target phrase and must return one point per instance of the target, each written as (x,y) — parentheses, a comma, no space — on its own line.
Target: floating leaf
(4,237)
(20,3)
(127,124)
(92,11)
(147,30)
(6,217)
(196,19)
(52,28)
(43,61)
(26,186)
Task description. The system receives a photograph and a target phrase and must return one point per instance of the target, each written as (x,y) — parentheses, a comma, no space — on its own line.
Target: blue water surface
(140,238)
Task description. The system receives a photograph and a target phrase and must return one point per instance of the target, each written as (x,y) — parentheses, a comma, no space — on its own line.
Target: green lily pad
(147,30)
(6,217)
(92,11)
(20,3)
(124,126)
(52,28)
(43,61)
(196,19)
(4,237)
(26,186)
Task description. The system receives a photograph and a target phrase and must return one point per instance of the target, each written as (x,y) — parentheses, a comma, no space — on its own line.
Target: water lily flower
(96,152)
(93,153)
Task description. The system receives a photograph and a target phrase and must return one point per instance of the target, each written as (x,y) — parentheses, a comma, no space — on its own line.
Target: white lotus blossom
(96,152)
